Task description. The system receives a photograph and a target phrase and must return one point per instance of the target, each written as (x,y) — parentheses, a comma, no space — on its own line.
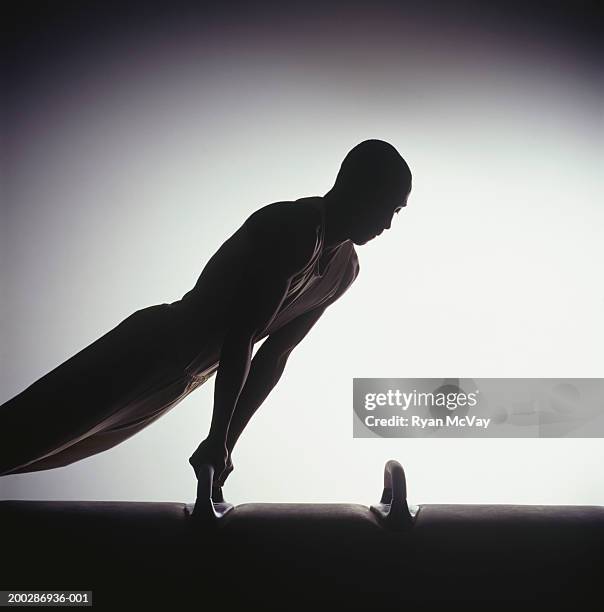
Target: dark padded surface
(307,554)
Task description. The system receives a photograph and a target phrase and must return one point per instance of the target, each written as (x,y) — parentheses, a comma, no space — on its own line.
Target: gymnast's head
(372,185)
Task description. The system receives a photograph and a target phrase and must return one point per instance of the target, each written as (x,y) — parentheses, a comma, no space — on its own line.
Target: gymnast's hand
(220,478)
(213,454)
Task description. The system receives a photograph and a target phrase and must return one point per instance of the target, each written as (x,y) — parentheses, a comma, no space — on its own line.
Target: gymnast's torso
(202,316)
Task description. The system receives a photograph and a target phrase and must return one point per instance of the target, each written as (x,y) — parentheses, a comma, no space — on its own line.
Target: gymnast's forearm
(235,359)
(266,370)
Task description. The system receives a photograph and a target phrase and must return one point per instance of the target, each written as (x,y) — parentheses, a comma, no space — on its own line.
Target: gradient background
(137,139)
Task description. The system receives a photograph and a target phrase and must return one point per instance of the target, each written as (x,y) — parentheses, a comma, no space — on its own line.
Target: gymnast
(273,278)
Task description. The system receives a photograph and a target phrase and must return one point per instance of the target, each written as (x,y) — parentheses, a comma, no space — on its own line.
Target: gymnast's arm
(269,271)
(266,369)
(270,359)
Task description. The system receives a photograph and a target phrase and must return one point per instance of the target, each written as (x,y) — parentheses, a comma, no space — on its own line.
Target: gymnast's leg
(71,401)
(86,447)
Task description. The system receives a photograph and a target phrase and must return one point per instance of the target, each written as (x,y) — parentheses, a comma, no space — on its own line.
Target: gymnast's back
(224,281)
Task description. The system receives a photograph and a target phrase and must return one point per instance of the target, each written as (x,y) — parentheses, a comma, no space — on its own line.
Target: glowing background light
(130,158)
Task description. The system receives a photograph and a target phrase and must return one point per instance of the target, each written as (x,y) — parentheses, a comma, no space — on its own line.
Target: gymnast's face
(371,221)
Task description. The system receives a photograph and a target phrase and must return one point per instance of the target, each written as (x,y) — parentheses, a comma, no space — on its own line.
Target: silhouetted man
(275,276)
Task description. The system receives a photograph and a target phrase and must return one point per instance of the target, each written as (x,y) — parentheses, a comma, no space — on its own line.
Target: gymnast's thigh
(80,392)
(104,371)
